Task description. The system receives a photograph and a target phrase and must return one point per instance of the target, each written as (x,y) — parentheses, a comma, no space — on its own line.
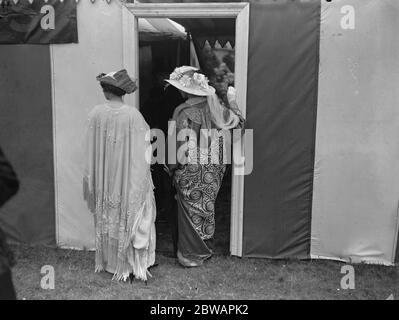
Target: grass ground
(222,277)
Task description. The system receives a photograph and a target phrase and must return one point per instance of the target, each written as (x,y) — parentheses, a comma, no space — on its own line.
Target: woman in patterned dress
(202,123)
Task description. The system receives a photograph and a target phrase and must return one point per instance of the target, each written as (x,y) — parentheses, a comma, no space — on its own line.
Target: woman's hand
(231,97)
(166,169)
(169,171)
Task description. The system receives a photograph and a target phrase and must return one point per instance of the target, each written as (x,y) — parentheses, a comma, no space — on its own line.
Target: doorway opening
(158,60)
(165,44)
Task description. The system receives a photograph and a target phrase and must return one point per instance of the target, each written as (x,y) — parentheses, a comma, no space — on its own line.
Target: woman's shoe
(186,262)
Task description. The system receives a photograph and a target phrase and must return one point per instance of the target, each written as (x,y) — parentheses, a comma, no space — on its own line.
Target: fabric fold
(118,189)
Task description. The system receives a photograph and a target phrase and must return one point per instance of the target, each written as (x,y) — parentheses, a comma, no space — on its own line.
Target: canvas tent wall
(160,29)
(48,91)
(321,101)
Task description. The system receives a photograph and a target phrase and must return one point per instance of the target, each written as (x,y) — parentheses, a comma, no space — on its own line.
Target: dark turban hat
(119,79)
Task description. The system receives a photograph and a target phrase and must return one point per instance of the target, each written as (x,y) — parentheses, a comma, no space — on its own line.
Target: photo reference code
(201,309)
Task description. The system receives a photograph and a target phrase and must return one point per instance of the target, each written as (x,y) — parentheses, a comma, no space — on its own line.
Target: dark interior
(160,53)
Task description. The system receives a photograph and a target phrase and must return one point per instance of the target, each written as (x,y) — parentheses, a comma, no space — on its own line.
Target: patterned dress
(198,181)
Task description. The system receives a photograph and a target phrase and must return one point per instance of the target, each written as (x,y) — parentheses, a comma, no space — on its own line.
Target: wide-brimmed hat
(119,79)
(187,79)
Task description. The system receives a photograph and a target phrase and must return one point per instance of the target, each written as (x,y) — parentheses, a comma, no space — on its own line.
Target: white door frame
(240,11)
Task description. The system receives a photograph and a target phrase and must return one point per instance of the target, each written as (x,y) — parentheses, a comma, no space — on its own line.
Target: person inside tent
(117,182)
(200,169)
(8,187)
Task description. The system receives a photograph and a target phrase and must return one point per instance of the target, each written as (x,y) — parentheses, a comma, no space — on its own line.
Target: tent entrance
(203,21)
(164,45)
